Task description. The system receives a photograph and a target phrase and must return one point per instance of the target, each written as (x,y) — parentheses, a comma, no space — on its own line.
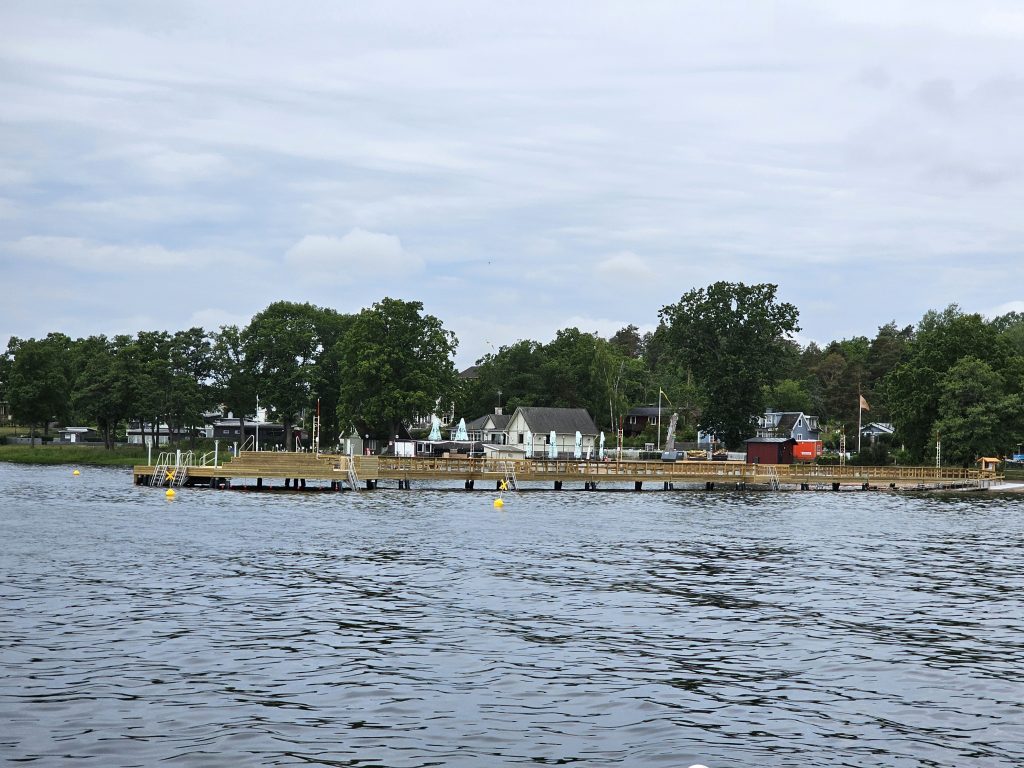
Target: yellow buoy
(170,493)
(499,503)
(76,472)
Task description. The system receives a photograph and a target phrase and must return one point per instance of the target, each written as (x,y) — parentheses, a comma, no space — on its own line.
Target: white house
(564,422)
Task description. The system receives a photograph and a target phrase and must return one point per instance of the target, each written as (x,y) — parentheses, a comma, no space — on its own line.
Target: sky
(517,167)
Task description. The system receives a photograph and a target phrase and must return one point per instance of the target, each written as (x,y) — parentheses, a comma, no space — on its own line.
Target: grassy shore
(72,454)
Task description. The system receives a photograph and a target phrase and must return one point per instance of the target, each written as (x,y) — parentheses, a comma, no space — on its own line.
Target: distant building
(489,428)
(770,450)
(267,433)
(803,429)
(77,435)
(541,422)
(875,430)
(138,434)
(639,418)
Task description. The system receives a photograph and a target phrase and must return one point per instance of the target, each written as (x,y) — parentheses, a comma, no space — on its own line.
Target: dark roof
(249,423)
(648,410)
(770,440)
(787,421)
(560,420)
(879,426)
(473,372)
(500,421)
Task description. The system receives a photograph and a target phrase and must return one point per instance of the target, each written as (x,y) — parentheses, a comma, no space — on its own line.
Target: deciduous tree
(731,336)
(397,365)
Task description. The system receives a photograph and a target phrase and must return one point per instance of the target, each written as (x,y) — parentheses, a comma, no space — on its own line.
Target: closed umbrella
(578,450)
(600,450)
(529,444)
(435,428)
(552,446)
(460,431)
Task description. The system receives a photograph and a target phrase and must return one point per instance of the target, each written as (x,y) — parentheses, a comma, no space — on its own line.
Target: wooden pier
(260,470)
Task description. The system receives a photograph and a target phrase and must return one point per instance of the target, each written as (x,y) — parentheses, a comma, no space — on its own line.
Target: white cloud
(84,255)
(1002,309)
(146,208)
(625,268)
(543,159)
(162,165)
(358,254)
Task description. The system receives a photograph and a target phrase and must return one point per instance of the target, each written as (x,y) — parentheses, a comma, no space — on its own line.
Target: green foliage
(976,416)
(281,353)
(574,370)
(720,355)
(38,378)
(913,390)
(124,456)
(628,341)
(102,394)
(732,338)
(398,365)
(233,381)
(790,395)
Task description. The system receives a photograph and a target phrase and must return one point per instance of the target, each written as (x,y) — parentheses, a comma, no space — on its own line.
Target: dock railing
(679,471)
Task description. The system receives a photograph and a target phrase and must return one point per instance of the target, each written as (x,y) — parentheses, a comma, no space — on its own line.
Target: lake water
(425,627)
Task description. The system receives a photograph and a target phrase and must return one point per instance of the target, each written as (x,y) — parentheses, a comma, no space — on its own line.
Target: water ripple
(426,628)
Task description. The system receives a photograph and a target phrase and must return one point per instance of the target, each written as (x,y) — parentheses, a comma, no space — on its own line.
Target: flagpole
(860,413)
(659,418)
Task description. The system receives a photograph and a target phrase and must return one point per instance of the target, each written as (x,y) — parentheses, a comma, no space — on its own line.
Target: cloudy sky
(517,167)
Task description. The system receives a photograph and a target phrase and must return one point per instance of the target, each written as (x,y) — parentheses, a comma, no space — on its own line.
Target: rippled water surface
(424,627)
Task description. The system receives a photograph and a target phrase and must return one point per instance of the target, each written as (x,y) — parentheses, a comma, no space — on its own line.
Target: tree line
(720,356)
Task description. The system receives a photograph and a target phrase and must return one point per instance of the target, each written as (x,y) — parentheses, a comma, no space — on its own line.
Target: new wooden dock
(254,470)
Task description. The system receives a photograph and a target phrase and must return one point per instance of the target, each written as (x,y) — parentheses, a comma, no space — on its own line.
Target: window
(520,437)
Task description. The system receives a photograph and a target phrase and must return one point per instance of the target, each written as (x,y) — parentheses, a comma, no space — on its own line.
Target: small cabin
(770,450)
(988,464)
(77,435)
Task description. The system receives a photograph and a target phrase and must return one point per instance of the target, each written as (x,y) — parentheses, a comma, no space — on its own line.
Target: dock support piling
(835,486)
(259,483)
(638,485)
(558,485)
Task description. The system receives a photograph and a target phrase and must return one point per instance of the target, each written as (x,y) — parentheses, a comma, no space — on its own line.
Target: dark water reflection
(427,628)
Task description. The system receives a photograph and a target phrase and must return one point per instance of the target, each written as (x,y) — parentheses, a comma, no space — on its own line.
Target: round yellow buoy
(170,493)
(76,472)
(499,503)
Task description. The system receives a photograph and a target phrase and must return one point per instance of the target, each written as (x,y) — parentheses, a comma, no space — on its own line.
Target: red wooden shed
(770,450)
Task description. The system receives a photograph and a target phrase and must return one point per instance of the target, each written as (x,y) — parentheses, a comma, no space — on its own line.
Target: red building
(770,450)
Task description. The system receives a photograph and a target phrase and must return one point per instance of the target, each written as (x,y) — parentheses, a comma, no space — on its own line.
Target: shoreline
(45,455)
